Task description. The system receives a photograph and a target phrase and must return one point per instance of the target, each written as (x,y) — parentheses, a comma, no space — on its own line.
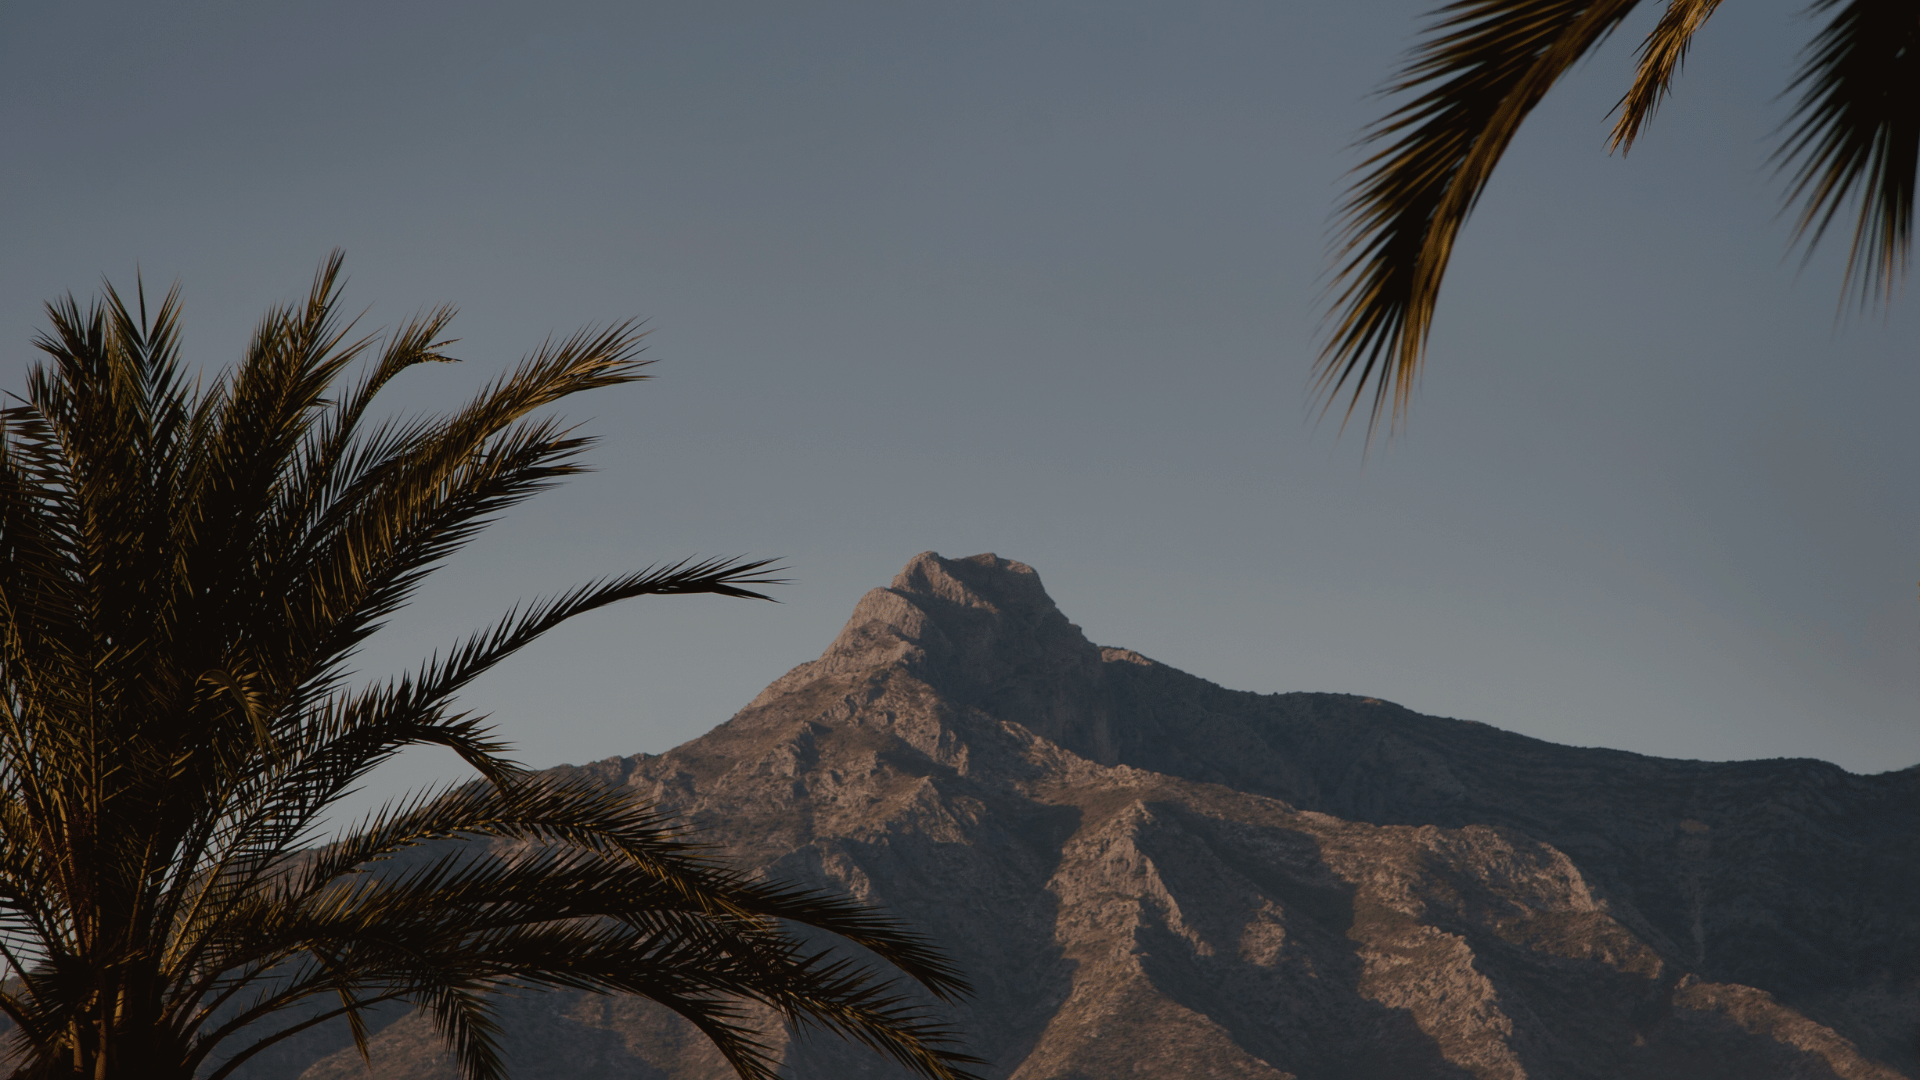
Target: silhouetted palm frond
(185,580)
(1484,66)
(1858,137)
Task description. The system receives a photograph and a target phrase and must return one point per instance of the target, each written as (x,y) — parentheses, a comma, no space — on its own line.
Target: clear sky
(1043,279)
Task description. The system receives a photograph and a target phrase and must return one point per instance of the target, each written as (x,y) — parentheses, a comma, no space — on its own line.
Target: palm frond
(879,933)
(603,862)
(433,495)
(562,921)
(1857,139)
(1484,66)
(185,579)
(1661,55)
(439,680)
(336,747)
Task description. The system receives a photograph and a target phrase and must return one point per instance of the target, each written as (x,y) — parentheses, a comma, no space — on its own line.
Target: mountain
(1149,875)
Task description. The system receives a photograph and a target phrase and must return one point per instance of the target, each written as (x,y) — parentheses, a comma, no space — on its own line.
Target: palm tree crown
(185,577)
(1854,139)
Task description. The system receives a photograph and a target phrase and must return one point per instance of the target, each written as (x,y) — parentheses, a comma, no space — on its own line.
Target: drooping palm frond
(1858,137)
(647,914)
(186,578)
(1484,67)
(1661,55)
(1487,63)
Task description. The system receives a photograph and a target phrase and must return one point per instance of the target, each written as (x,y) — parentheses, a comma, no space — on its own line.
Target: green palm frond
(186,578)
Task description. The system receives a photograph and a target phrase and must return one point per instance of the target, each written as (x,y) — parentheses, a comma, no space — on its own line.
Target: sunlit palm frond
(1661,55)
(1484,67)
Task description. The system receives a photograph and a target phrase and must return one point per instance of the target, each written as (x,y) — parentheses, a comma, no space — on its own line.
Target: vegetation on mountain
(1853,140)
(186,578)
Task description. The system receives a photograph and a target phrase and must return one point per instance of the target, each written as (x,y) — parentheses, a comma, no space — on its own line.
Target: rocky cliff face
(1148,875)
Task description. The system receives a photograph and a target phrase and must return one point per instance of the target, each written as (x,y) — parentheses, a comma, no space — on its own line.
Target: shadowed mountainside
(1147,874)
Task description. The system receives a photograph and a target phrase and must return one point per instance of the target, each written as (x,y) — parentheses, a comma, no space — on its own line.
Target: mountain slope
(1150,875)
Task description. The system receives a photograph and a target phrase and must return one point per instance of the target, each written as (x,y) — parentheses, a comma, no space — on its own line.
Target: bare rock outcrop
(1148,875)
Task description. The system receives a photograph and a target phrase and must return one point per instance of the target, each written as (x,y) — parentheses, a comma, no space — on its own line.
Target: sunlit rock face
(1148,875)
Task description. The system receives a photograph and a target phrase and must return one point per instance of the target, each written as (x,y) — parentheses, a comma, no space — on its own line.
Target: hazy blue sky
(1042,279)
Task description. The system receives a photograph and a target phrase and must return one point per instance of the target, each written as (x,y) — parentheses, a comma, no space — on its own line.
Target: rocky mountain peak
(977,581)
(982,632)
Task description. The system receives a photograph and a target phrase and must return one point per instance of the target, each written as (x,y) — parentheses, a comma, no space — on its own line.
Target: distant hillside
(1148,875)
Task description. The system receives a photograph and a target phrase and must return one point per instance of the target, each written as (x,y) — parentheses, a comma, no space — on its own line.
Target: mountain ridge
(1149,874)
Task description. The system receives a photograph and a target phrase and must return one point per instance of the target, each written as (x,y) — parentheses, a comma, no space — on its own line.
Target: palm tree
(185,577)
(1854,137)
